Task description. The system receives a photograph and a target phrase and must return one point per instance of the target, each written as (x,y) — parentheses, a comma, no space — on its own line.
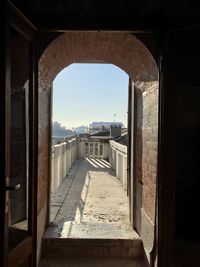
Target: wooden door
(17,122)
(179,176)
(4,131)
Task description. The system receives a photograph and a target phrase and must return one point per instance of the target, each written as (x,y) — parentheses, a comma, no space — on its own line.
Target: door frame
(4,115)
(167,243)
(26,250)
(131,188)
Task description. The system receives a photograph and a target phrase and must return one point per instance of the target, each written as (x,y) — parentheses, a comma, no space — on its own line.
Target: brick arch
(121,49)
(128,53)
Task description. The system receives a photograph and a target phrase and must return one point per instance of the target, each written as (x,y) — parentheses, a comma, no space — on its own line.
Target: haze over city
(83,93)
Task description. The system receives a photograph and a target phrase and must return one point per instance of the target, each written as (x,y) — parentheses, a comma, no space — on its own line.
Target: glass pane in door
(19,176)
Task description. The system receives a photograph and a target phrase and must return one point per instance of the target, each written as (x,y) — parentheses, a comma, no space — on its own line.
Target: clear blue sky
(83,93)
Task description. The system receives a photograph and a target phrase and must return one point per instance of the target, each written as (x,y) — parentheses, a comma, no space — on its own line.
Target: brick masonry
(146,162)
(146,145)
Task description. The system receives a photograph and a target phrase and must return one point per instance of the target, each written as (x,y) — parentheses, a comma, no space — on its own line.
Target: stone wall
(118,161)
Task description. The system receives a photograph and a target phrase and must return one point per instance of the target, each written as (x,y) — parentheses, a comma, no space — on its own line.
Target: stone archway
(128,53)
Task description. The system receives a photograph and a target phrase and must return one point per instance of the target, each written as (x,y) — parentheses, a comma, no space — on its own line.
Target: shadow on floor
(90,203)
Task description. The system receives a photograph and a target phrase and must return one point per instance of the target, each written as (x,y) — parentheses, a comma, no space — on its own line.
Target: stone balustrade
(64,155)
(93,148)
(118,161)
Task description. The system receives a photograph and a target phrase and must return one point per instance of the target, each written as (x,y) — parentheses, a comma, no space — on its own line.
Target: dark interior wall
(181,147)
(152,42)
(110,15)
(43,41)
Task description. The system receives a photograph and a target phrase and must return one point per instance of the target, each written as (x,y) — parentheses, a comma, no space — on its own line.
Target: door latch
(12,188)
(7,189)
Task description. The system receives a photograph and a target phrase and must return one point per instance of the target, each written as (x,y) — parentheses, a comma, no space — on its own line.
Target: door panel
(131,157)
(19,150)
(4,132)
(18,206)
(180,149)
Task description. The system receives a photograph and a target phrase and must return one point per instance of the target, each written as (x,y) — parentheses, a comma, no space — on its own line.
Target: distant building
(115,130)
(96,127)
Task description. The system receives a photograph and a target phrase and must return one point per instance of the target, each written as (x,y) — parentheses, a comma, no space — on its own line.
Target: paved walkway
(90,203)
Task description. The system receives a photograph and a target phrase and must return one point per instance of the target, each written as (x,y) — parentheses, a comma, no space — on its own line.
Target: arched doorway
(127,52)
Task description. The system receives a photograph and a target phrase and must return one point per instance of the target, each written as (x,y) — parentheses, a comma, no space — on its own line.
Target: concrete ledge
(91,262)
(121,148)
(65,247)
(118,160)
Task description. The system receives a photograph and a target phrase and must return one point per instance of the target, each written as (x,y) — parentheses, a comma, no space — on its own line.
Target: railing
(64,155)
(118,161)
(93,148)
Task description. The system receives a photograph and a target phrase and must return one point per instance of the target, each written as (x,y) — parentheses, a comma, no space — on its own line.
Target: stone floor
(90,221)
(90,203)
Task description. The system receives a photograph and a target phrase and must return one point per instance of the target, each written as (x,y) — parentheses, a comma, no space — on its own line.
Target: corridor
(90,203)
(90,221)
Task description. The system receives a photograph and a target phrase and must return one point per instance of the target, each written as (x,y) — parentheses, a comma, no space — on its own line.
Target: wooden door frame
(129,159)
(166,241)
(131,155)
(12,18)
(4,133)
(20,23)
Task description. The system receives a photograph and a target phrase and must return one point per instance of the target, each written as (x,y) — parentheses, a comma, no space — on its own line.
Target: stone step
(91,262)
(67,247)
